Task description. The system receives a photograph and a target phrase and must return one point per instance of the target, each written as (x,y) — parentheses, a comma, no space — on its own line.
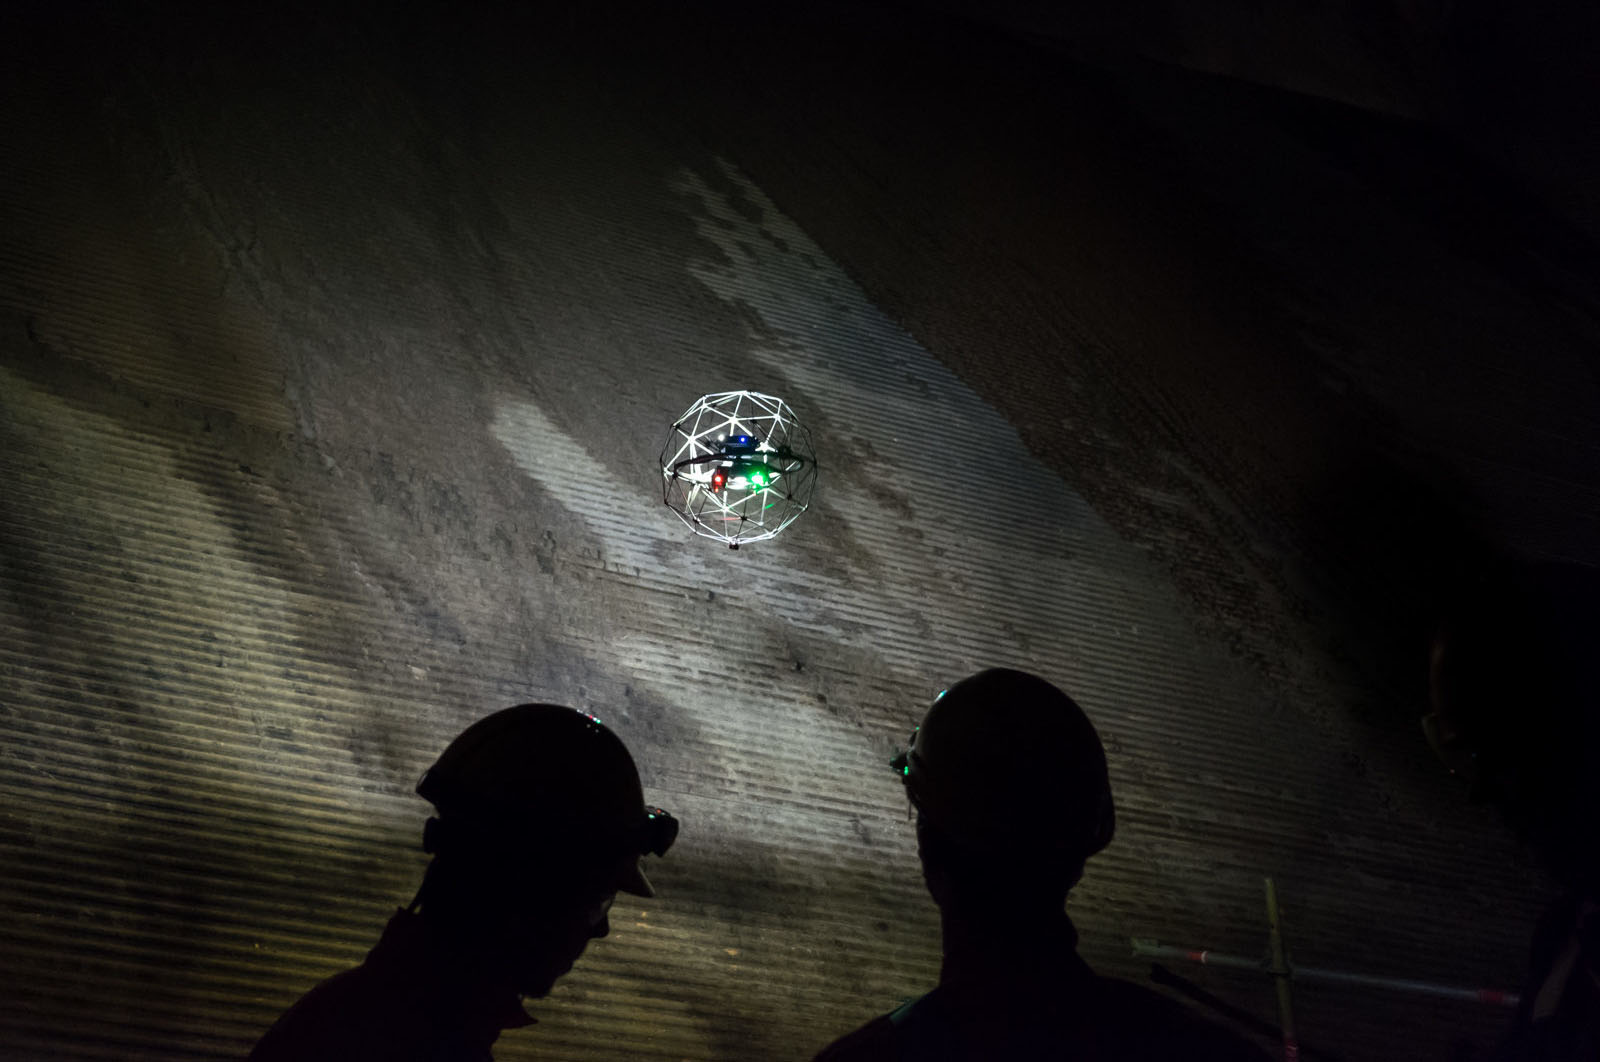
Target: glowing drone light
(738,467)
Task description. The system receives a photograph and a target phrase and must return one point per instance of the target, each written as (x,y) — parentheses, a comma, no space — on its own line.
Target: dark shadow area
(437,206)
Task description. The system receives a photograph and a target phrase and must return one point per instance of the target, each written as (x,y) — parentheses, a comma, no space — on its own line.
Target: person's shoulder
(1172,1029)
(873,1041)
(335,1020)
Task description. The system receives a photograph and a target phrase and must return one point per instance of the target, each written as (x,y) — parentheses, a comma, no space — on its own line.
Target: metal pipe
(1240,1017)
(1281,971)
(1492,996)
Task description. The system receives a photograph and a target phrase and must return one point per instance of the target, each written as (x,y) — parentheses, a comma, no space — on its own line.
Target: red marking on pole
(1197,956)
(1490,995)
(1291,1050)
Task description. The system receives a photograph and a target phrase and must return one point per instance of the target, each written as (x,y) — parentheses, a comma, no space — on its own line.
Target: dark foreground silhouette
(541,823)
(1514,682)
(1009,781)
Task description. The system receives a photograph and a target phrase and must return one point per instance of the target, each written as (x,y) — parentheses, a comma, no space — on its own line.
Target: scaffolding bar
(1281,973)
(1490,996)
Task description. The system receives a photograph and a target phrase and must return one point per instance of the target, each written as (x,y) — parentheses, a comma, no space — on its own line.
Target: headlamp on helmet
(542,778)
(963,768)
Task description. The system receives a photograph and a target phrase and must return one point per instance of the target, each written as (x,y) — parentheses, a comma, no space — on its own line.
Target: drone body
(738,467)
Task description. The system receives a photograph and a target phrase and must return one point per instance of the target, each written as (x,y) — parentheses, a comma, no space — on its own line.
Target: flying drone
(738,467)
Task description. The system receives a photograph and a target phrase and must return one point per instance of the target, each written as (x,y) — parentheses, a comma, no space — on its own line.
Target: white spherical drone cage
(738,467)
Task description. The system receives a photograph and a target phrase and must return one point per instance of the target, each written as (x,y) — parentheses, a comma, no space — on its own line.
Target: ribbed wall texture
(334,364)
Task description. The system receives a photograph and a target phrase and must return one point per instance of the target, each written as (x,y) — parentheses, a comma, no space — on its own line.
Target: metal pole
(1240,1017)
(1280,973)
(1492,996)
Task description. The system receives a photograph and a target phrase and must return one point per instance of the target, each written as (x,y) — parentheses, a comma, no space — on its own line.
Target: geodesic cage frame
(738,467)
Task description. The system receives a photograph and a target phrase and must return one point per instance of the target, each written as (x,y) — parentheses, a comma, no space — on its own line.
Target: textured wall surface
(336,354)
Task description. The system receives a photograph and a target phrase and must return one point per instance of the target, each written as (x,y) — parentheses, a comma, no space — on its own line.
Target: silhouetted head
(1010,784)
(542,821)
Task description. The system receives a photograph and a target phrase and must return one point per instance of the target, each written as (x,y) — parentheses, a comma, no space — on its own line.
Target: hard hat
(1005,759)
(550,776)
